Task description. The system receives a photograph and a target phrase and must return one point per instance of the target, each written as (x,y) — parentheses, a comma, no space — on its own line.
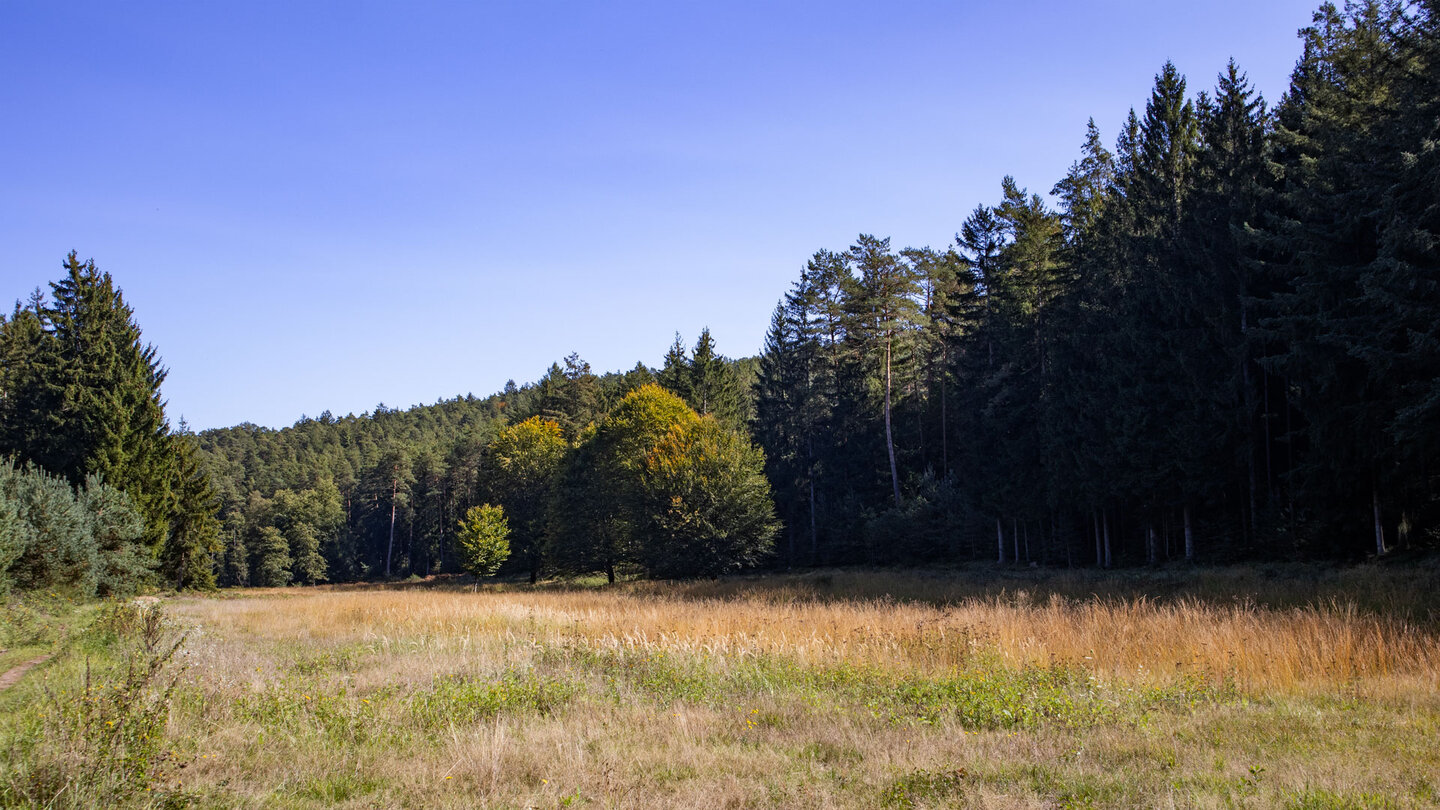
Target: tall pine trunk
(1000,540)
(810,476)
(889,440)
(944,429)
(1379,526)
(390,550)
(814,535)
(1099,550)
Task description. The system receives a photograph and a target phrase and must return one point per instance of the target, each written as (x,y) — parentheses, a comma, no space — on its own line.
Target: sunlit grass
(941,690)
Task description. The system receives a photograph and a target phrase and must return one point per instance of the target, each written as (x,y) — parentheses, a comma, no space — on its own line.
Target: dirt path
(15,673)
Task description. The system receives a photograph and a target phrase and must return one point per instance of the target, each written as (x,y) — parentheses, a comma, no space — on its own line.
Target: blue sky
(328,205)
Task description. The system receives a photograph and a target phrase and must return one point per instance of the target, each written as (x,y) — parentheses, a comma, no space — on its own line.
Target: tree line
(1219,343)
(593,474)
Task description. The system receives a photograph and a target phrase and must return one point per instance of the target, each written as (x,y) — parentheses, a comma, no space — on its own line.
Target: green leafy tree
(310,520)
(271,559)
(483,540)
(601,509)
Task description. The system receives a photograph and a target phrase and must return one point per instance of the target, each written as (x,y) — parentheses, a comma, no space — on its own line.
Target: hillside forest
(1217,340)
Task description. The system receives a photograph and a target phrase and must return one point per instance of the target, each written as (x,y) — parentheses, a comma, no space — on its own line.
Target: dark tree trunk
(1105,517)
(1379,526)
(1189,537)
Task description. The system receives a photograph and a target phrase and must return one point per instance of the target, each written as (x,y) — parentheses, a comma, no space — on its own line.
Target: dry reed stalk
(1131,640)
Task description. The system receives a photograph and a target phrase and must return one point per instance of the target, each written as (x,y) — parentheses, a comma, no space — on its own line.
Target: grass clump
(298,707)
(1322,799)
(458,699)
(921,788)
(1003,698)
(95,735)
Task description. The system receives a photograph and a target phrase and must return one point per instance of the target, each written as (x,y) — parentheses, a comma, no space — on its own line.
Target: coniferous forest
(1218,340)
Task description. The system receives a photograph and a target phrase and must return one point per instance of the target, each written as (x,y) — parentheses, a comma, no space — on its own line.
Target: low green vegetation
(89,729)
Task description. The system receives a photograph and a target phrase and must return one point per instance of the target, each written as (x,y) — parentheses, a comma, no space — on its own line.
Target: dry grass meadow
(1300,688)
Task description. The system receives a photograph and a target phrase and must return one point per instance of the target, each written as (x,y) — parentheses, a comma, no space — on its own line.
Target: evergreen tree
(887,314)
(714,386)
(1321,331)
(189,557)
(112,419)
(674,374)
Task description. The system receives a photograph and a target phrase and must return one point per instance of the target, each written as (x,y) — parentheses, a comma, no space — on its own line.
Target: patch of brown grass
(1314,647)
(823,690)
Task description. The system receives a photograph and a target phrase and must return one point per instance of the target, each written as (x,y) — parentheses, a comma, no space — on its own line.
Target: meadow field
(1293,687)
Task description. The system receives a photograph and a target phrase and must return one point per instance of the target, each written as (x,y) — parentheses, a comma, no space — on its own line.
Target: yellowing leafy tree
(600,506)
(711,511)
(484,540)
(526,457)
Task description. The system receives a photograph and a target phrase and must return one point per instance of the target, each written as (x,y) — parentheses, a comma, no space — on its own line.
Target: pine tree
(31,391)
(1085,188)
(396,472)
(887,313)
(188,557)
(1402,284)
(1320,235)
(1230,168)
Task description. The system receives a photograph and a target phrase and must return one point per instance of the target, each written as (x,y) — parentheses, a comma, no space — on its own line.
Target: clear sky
(330,204)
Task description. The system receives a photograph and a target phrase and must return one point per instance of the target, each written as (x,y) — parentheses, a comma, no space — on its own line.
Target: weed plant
(95,734)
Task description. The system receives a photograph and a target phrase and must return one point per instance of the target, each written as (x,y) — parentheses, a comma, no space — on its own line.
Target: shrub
(101,741)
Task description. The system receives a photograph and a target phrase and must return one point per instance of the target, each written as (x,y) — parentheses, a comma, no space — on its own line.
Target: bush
(100,741)
(84,540)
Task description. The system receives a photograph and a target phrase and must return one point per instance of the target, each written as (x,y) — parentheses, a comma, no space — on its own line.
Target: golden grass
(1314,648)
(823,690)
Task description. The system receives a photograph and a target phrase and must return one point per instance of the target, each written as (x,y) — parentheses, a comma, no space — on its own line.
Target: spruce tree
(112,419)
(188,559)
